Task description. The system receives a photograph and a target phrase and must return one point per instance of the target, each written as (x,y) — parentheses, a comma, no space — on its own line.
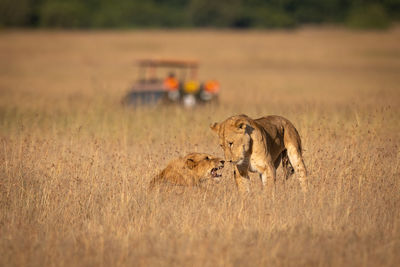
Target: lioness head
(204,165)
(234,138)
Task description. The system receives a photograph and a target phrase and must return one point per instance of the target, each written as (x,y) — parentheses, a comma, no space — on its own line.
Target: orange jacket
(211,86)
(171,84)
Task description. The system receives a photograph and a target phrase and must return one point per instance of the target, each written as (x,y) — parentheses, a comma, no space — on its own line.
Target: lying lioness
(189,170)
(259,146)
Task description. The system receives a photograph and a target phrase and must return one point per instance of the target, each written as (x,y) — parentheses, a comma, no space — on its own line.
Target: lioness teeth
(214,172)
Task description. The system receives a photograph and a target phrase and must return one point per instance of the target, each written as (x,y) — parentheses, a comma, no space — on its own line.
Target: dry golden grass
(75,164)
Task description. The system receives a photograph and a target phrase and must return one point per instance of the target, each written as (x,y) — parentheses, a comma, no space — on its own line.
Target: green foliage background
(196,13)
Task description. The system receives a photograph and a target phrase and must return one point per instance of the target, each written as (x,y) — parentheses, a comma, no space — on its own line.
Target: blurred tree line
(197,13)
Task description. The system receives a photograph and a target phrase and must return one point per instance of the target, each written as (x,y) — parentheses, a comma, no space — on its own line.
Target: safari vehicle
(168,81)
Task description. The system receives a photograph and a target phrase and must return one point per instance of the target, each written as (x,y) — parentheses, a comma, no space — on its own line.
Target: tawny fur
(189,170)
(259,145)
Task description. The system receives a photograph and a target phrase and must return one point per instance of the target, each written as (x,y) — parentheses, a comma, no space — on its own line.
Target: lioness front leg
(242,179)
(268,176)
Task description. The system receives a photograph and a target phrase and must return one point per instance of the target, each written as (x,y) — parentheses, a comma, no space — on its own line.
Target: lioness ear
(241,126)
(244,127)
(215,127)
(190,163)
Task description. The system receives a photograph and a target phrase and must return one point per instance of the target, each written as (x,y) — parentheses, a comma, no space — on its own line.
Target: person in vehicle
(171,85)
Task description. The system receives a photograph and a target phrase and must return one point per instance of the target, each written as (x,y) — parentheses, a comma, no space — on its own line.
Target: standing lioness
(259,146)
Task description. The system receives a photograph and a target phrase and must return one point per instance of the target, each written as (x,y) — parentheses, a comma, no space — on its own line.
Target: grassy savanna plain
(75,164)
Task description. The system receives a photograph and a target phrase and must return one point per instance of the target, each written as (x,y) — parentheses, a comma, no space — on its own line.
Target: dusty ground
(75,164)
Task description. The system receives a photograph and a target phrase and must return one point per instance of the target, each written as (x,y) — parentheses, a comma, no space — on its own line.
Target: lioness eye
(230,144)
(207,158)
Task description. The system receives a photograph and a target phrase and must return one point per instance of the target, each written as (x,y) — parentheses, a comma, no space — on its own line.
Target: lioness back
(279,126)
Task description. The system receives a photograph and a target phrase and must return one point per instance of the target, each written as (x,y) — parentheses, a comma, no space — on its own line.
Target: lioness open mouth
(214,172)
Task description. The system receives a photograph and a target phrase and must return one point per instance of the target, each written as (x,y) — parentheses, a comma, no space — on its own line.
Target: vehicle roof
(168,63)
